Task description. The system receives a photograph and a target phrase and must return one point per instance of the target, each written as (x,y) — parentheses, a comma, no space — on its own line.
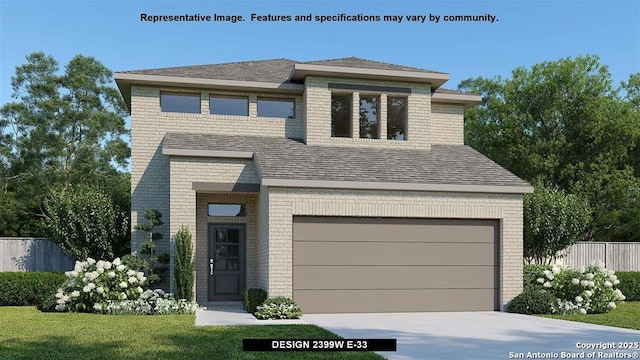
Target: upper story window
(340,115)
(272,107)
(182,103)
(396,118)
(229,105)
(369,117)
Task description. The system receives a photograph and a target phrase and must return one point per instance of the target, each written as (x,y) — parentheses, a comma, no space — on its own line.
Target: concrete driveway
(482,335)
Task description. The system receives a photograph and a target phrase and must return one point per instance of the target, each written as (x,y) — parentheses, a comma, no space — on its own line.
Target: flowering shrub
(92,282)
(278,307)
(583,290)
(151,302)
(111,288)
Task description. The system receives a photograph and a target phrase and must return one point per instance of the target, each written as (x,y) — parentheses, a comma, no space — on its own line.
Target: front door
(226,262)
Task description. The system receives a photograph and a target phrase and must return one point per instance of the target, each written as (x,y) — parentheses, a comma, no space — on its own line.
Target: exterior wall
(284,203)
(186,210)
(150,187)
(262,247)
(447,124)
(318,114)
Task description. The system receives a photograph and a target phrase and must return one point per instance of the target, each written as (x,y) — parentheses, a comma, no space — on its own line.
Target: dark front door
(226,262)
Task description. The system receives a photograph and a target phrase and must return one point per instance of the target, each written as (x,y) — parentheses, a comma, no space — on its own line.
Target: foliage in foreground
(590,290)
(553,221)
(252,298)
(183,264)
(111,288)
(626,315)
(28,288)
(28,334)
(629,284)
(279,307)
(532,301)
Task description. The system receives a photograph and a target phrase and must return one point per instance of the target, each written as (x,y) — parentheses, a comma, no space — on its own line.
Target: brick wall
(447,124)
(284,203)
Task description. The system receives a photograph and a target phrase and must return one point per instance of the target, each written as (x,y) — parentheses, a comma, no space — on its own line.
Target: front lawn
(626,315)
(26,333)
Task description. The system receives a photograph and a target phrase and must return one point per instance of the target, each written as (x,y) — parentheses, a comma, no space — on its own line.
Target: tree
(84,222)
(62,130)
(183,264)
(553,221)
(154,219)
(564,123)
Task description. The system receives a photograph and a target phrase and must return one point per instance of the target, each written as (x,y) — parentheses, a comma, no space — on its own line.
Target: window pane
(282,108)
(228,105)
(369,124)
(340,115)
(184,103)
(396,118)
(226,210)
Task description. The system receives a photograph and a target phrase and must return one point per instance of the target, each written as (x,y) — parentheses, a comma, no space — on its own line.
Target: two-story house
(344,184)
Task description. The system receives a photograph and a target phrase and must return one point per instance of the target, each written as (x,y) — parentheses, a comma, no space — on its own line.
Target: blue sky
(527,32)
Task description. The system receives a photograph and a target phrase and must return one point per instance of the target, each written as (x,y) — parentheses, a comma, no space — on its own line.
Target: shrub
(28,288)
(531,272)
(183,264)
(532,301)
(278,307)
(252,298)
(92,282)
(629,284)
(583,290)
(151,302)
(134,262)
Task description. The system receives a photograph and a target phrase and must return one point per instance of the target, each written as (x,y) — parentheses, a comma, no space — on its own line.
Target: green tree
(553,221)
(564,123)
(84,222)
(61,130)
(156,273)
(183,264)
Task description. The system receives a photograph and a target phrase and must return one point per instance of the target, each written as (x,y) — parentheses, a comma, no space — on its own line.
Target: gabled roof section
(290,163)
(355,62)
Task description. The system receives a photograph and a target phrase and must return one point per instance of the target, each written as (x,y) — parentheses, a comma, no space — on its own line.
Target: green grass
(26,333)
(626,315)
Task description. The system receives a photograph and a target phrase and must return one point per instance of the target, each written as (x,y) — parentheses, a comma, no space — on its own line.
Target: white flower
(99,264)
(59,294)
(589,276)
(78,266)
(90,261)
(133,280)
(581,269)
(86,289)
(100,290)
(584,283)
(60,302)
(116,261)
(556,270)
(123,296)
(111,274)
(142,279)
(612,305)
(583,311)
(131,272)
(575,281)
(107,265)
(75,293)
(123,284)
(73,273)
(60,307)
(588,293)
(547,284)
(540,280)
(621,297)
(139,289)
(608,284)
(613,277)
(120,267)
(549,274)
(591,283)
(616,282)
(99,270)
(579,299)
(97,307)
(91,286)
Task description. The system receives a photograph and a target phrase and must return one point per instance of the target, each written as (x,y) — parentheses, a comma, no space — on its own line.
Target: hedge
(28,288)
(629,284)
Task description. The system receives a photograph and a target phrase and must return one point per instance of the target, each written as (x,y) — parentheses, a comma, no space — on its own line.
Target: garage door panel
(361,301)
(353,253)
(392,230)
(393,277)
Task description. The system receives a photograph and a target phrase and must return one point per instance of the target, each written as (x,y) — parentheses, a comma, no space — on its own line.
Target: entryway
(226,262)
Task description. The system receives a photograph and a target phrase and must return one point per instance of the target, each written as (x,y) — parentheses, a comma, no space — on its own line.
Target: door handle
(211,267)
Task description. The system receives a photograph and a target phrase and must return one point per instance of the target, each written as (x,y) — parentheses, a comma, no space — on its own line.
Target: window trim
(185,94)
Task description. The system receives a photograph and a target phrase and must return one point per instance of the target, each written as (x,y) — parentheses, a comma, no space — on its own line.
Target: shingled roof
(287,159)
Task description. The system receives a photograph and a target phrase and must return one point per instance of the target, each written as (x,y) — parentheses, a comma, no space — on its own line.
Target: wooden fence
(618,256)
(32,254)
